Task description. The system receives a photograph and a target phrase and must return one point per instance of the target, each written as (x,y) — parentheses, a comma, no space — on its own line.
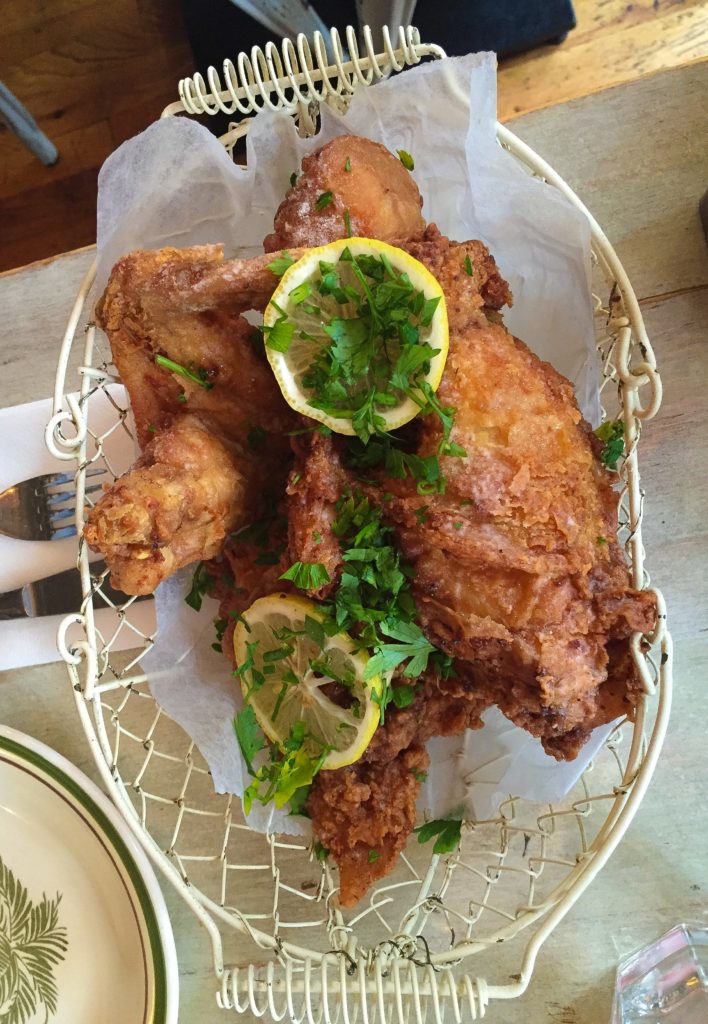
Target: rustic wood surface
(93,74)
(638,159)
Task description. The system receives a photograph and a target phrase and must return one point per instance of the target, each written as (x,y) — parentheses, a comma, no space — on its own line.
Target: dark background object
(505,26)
(220,29)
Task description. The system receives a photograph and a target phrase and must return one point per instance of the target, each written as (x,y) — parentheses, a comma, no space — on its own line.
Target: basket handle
(298,74)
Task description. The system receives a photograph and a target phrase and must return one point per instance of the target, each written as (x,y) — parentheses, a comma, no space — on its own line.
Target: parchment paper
(175,185)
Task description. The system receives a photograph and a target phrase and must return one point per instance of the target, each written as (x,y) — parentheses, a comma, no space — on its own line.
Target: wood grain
(93,74)
(613,43)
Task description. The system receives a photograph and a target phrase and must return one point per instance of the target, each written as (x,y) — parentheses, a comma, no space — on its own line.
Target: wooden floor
(95,73)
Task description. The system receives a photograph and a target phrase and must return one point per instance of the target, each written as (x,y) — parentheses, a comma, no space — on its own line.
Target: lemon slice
(285,684)
(298,312)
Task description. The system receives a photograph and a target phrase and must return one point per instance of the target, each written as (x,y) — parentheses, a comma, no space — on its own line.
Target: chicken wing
(208,412)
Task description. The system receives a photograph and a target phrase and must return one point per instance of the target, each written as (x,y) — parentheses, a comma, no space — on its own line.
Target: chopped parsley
(347,165)
(375,353)
(406,159)
(307,575)
(468,266)
(288,770)
(201,581)
(612,434)
(347,224)
(220,628)
(249,735)
(372,601)
(152,429)
(323,201)
(199,376)
(448,832)
(373,856)
(281,263)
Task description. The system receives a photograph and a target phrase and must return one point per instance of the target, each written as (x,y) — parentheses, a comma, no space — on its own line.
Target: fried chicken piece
(370,805)
(517,570)
(219,442)
(516,567)
(365,182)
(175,506)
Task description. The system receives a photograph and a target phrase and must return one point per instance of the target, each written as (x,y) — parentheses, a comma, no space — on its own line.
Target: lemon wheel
(345,325)
(292,666)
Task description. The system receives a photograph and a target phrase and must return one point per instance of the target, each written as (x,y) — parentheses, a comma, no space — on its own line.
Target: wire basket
(424,941)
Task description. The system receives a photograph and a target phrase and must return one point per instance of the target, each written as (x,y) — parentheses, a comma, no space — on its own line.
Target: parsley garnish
(281,263)
(406,159)
(468,266)
(347,224)
(201,581)
(373,856)
(347,165)
(373,600)
(199,376)
(220,628)
(449,833)
(287,772)
(612,433)
(152,428)
(307,575)
(374,352)
(323,200)
(249,735)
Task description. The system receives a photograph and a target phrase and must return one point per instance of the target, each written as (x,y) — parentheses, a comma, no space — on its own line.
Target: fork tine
(61,479)
(66,531)
(55,479)
(64,514)
(58,499)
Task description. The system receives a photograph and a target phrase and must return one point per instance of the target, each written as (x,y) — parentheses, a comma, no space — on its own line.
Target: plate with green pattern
(84,931)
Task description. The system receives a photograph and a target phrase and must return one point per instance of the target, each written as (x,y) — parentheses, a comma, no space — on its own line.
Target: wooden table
(636,155)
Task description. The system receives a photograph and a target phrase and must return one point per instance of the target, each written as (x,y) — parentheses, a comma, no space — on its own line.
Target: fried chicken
(215,448)
(365,183)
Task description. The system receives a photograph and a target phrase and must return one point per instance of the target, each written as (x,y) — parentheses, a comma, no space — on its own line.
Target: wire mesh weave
(268,903)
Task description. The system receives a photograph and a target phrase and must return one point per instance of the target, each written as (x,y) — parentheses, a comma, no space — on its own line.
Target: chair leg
(20,121)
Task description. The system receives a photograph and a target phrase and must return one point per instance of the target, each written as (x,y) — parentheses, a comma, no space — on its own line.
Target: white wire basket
(436,938)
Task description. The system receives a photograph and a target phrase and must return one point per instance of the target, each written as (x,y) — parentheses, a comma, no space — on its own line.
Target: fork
(42,508)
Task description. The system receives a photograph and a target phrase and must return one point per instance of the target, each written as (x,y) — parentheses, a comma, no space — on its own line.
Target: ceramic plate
(84,931)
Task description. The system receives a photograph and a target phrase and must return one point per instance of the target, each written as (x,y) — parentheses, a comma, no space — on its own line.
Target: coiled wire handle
(300,73)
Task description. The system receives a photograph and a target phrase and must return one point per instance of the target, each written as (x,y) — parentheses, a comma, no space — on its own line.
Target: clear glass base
(666,982)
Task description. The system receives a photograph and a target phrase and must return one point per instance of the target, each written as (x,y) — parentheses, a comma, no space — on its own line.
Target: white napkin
(23,454)
(175,185)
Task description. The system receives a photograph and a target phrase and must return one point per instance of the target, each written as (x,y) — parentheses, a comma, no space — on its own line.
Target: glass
(665,982)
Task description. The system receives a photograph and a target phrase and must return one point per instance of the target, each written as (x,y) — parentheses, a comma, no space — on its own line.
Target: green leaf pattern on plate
(31,942)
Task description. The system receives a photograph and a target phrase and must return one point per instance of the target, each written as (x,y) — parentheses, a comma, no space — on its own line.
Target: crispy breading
(175,506)
(359,180)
